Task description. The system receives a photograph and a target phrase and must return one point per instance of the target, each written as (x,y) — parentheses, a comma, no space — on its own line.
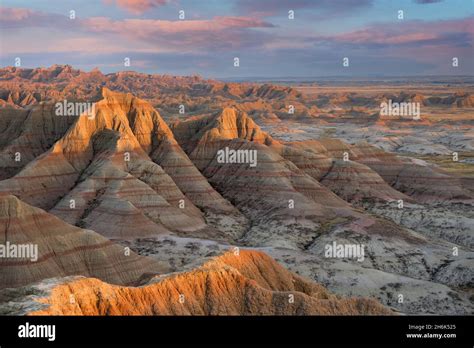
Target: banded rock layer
(250,283)
(118,170)
(63,250)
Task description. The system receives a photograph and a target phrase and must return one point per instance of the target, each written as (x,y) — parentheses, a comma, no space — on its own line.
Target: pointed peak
(232,114)
(124,99)
(96,73)
(232,123)
(109,94)
(105,91)
(229,112)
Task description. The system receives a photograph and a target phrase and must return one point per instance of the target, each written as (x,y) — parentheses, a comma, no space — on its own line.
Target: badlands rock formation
(250,283)
(26,134)
(62,250)
(100,175)
(142,174)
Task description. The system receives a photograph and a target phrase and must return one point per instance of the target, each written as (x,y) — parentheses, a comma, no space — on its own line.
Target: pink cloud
(23,17)
(326,8)
(144,27)
(14,14)
(221,32)
(380,37)
(187,35)
(136,6)
(410,32)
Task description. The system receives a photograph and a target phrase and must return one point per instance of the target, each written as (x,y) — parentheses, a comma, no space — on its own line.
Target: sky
(151,34)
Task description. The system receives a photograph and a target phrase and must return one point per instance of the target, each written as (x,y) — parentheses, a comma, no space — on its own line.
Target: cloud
(146,27)
(326,8)
(14,14)
(218,33)
(136,6)
(209,45)
(11,18)
(416,32)
(423,2)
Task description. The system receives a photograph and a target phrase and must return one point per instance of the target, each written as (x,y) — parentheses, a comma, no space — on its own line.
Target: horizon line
(230,78)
